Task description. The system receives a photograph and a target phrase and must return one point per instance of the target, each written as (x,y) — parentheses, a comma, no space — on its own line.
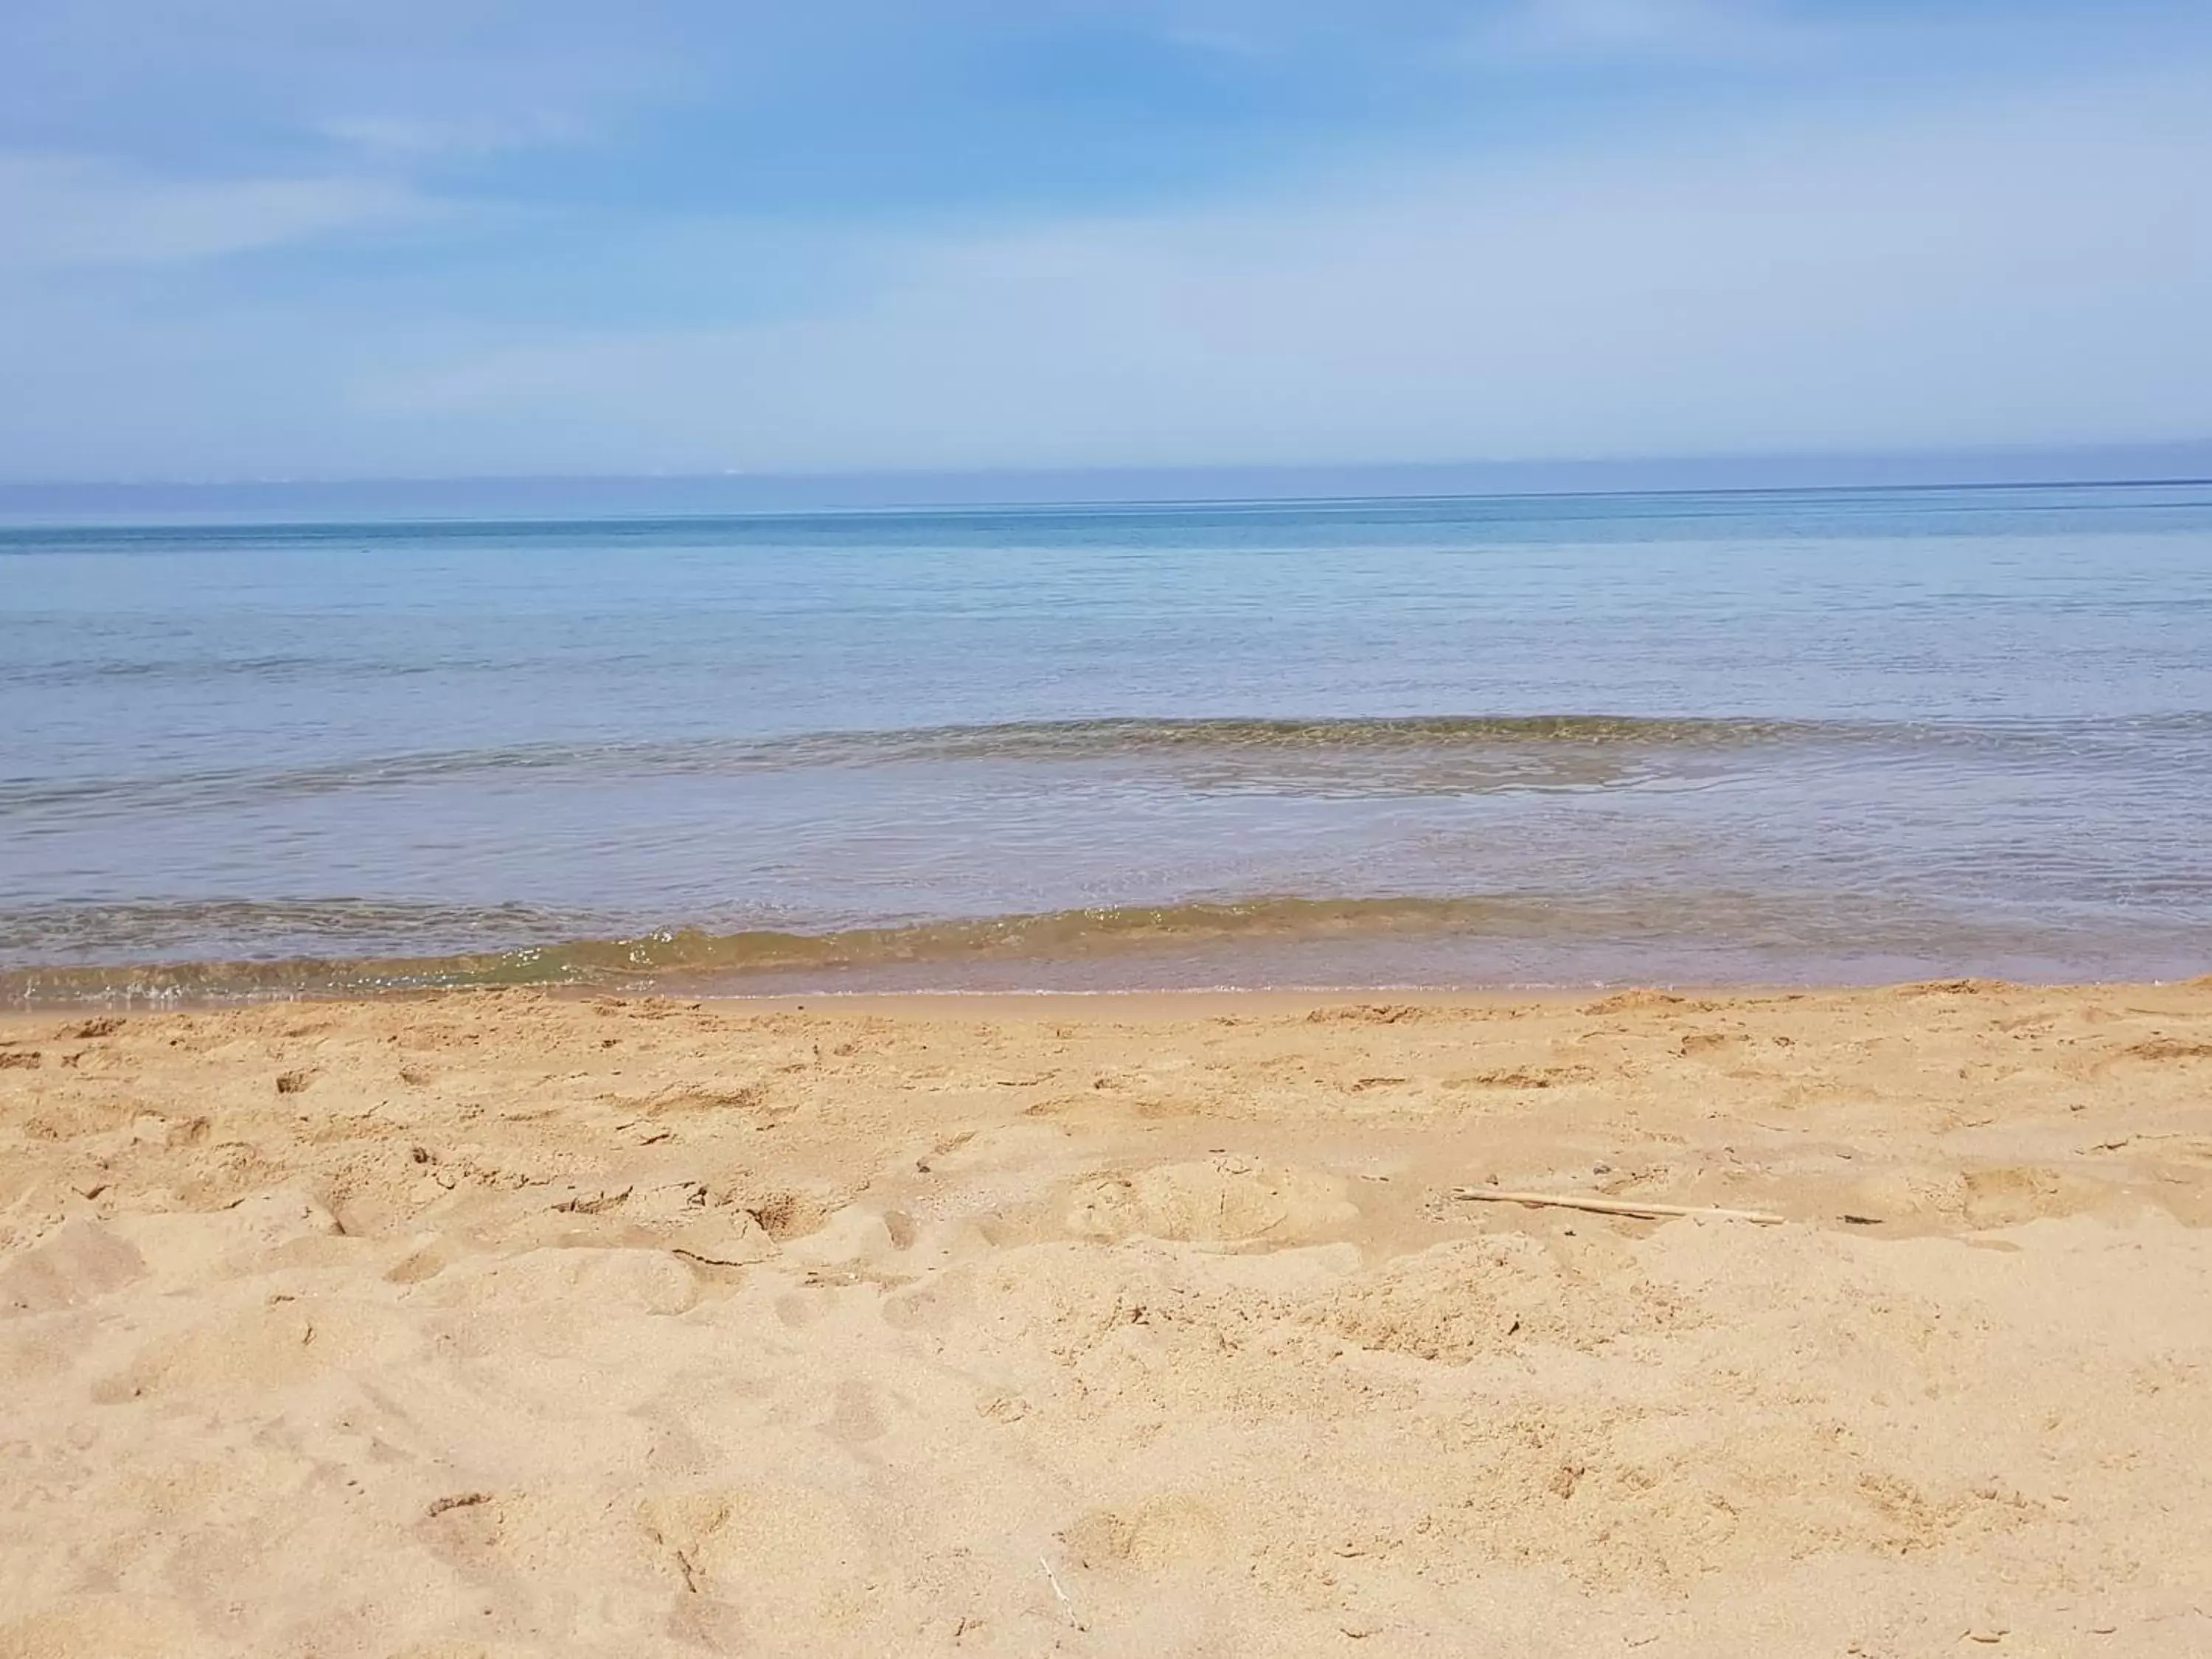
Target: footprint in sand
(1224,1201)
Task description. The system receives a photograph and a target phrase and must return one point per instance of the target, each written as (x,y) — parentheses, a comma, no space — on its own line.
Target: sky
(258,239)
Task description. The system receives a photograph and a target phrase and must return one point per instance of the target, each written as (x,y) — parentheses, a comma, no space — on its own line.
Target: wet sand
(499,1324)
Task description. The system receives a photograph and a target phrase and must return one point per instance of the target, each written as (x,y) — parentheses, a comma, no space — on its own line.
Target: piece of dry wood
(1613,1206)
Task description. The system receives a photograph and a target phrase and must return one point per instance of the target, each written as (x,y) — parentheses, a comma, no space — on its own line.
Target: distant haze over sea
(323,501)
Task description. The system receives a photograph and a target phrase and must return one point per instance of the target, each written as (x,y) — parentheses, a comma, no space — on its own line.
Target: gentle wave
(1073,741)
(1470,751)
(693,959)
(179,929)
(694,954)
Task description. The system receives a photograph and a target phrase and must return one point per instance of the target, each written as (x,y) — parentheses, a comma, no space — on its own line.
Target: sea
(1771,737)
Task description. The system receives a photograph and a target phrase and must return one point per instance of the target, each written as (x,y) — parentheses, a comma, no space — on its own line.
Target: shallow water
(1771,736)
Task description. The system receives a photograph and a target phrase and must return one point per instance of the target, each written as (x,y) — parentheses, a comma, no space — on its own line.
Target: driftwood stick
(1627,1207)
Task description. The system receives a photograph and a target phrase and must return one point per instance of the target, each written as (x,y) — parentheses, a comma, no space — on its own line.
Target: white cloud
(60,211)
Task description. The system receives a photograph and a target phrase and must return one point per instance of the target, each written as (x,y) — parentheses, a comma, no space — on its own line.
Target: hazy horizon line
(690,492)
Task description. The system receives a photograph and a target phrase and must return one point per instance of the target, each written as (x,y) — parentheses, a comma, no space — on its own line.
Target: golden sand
(505,1325)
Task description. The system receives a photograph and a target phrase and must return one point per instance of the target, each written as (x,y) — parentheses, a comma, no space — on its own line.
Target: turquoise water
(1773,736)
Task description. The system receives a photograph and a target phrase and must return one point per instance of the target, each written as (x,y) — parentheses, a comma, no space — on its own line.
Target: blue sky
(256,238)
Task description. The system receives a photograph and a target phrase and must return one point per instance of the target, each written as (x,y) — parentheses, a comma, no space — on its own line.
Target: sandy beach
(502,1325)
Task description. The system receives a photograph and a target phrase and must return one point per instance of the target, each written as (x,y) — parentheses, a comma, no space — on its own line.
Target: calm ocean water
(1775,736)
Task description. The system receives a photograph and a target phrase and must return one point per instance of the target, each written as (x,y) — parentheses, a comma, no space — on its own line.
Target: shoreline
(135,956)
(520,1323)
(1011,1001)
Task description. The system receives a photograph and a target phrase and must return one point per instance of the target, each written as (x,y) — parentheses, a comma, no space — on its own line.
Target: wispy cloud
(1535,31)
(405,139)
(2008,272)
(60,211)
(439,235)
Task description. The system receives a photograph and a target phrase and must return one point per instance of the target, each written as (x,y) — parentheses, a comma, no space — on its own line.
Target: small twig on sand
(1626,1206)
(1066,1606)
